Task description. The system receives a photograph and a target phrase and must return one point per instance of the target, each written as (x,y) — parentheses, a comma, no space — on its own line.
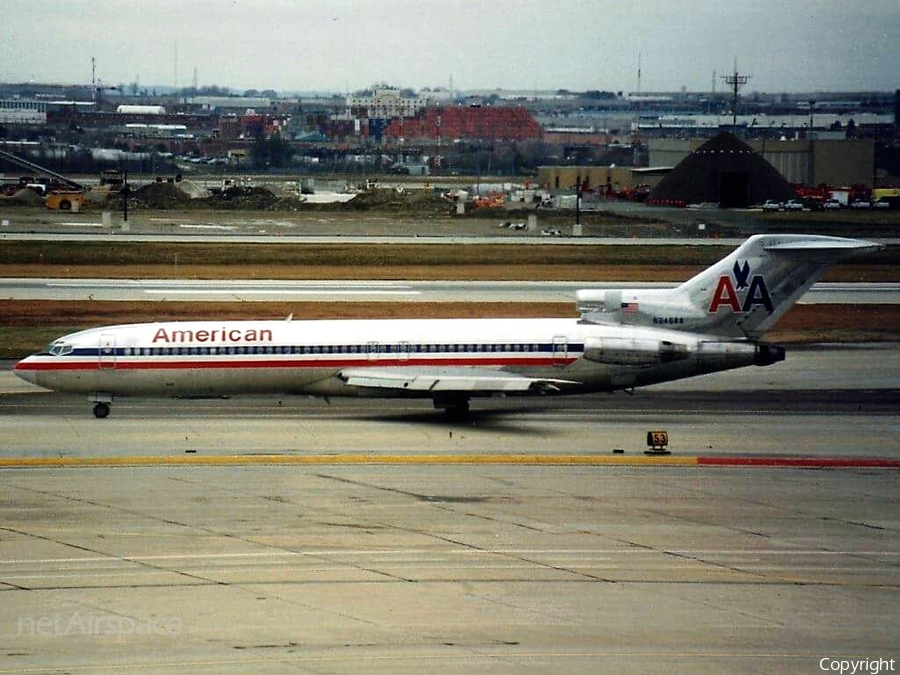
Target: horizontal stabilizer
(830,247)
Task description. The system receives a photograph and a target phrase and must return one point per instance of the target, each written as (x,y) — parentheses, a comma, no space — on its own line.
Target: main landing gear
(455,408)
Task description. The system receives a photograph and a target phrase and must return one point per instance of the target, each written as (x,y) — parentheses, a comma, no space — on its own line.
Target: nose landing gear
(101,403)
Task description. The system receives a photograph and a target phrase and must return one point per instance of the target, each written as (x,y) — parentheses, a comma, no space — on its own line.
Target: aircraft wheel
(456,409)
(101,410)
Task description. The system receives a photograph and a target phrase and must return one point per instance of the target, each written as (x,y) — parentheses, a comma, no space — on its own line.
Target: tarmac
(257,535)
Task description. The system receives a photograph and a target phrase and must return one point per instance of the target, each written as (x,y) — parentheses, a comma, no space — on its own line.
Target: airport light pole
(578,200)
(811,106)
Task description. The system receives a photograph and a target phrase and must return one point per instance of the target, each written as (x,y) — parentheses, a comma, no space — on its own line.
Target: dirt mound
(389,199)
(161,196)
(244,198)
(26,197)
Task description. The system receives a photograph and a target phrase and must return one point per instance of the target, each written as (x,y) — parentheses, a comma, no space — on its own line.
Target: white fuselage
(211,358)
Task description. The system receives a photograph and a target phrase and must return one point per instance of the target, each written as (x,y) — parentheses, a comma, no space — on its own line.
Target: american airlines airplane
(624,339)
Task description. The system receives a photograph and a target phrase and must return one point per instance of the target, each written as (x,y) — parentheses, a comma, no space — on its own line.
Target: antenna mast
(637,125)
(736,81)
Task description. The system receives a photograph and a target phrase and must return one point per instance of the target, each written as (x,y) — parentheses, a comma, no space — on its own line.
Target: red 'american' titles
(216,335)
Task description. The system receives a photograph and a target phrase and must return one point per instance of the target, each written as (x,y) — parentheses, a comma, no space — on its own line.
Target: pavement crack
(433,535)
(98,552)
(684,556)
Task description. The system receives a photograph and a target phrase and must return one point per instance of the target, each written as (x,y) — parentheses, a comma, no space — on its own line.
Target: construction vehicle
(63,194)
(65,200)
(112,178)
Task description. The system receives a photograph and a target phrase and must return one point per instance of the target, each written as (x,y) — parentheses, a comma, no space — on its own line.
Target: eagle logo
(741,275)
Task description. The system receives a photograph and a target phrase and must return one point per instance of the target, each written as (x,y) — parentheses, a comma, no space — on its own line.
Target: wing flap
(475,380)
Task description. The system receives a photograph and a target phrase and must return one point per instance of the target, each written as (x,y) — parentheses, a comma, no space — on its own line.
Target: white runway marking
(242,291)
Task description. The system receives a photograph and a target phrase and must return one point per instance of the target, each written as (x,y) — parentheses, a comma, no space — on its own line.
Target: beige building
(834,162)
(565,177)
(385,102)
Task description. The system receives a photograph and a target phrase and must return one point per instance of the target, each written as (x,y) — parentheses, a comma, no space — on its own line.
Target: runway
(470,567)
(375,291)
(269,231)
(329,231)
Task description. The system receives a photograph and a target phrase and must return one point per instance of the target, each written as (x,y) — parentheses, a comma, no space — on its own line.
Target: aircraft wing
(470,380)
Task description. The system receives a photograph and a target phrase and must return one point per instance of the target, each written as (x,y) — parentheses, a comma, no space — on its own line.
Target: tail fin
(743,295)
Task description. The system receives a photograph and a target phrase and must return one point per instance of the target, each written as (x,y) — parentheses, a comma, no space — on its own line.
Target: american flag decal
(629,307)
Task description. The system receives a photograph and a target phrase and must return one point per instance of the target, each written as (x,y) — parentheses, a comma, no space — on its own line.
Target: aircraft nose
(22,370)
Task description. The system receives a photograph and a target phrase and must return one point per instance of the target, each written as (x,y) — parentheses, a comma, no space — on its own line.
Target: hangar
(725,171)
(819,161)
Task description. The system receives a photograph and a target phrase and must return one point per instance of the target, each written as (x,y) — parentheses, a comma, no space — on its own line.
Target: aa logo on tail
(726,294)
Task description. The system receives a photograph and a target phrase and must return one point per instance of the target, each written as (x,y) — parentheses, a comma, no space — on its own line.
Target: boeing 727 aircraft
(624,339)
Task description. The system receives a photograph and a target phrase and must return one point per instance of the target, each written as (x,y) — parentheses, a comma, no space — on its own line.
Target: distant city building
(458,122)
(584,136)
(141,110)
(15,111)
(384,102)
(142,130)
(229,104)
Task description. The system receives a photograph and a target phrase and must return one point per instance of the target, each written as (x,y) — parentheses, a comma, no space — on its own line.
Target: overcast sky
(341,45)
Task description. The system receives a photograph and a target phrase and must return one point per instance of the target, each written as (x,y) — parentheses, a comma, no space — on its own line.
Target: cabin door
(560,351)
(107,352)
(372,350)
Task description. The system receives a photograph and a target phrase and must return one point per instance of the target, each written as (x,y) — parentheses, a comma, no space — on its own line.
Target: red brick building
(487,123)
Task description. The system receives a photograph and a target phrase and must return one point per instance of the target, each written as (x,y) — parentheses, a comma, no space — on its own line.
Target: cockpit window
(60,349)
